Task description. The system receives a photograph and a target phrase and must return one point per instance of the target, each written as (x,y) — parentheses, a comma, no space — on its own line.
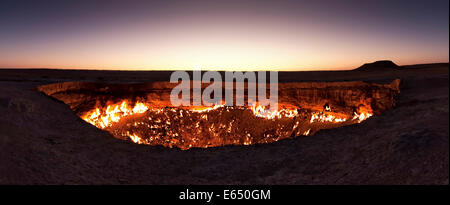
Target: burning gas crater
(142,113)
(213,126)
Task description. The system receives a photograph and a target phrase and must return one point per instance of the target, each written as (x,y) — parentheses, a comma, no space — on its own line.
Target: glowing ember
(361,117)
(206,109)
(321,117)
(136,139)
(306,133)
(261,111)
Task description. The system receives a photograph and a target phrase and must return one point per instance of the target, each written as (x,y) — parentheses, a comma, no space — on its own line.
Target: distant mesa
(378,66)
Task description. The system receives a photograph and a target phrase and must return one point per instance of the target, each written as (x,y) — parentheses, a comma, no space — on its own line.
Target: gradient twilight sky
(225,35)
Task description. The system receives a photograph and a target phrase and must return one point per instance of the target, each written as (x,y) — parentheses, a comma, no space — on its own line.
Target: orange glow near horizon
(227,56)
(219,35)
(275,50)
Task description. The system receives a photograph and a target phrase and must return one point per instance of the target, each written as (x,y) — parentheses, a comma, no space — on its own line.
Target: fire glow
(143,113)
(286,121)
(113,113)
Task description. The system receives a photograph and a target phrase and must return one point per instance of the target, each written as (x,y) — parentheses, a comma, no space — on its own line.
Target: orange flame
(322,117)
(136,139)
(361,117)
(113,113)
(261,111)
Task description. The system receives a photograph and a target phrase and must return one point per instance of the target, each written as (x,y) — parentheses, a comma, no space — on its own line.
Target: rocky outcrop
(84,96)
(340,95)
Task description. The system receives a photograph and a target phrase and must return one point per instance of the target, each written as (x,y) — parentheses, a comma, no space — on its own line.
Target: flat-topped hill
(378,65)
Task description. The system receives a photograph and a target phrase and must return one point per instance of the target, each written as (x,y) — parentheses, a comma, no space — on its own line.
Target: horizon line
(203,69)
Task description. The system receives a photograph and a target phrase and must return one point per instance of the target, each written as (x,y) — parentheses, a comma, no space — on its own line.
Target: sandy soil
(43,142)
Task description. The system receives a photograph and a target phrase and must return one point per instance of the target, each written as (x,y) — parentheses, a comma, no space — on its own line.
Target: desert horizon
(223,70)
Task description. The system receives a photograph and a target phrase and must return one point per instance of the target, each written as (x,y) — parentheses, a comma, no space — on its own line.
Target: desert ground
(43,142)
